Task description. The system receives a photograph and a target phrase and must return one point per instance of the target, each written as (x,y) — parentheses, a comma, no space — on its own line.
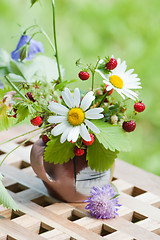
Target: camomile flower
(121,80)
(73,120)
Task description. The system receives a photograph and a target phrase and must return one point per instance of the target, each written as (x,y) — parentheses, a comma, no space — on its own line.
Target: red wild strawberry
(78,151)
(88,143)
(112,64)
(129,126)
(109,92)
(36,121)
(29,95)
(15,115)
(139,107)
(45,138)
(72,141)
(83,75)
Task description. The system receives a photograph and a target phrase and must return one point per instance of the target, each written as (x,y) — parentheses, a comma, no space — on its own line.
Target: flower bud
(114,119)
(24,52)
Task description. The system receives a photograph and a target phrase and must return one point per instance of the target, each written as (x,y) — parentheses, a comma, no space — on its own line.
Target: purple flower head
(103,202)
(34,48)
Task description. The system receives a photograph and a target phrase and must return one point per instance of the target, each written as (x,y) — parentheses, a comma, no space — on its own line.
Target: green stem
(45,34)
(16,89)
(55,40)
(93,73)
(41,30)
(26,133)
(30,27)
(18,147)
(102,101)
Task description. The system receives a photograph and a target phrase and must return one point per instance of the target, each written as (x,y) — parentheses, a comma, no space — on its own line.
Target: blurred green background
(87,29)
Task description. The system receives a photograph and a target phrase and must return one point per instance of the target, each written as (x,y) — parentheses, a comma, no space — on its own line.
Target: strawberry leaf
(58,152)
(100,158)
(5,198)
(22,112)
(113,137)
(5,121)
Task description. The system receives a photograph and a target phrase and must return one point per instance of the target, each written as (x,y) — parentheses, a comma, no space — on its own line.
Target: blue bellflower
(34,48)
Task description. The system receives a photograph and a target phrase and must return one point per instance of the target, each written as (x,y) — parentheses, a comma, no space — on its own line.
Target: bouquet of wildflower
(91,122)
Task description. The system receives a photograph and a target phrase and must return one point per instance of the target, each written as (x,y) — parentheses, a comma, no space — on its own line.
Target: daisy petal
(93,111)
(73,134)
(65,134)
(56,119)
(110,86)
(95,116)
(128,94)
(67,97)
(120,93)
(84,133)
(76,97)
(104,76)
(59,128)
(87,100)
(58,108)
(92,126)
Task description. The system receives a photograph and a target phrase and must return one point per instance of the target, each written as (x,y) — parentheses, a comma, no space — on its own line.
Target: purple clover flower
(34,48)
(103,203)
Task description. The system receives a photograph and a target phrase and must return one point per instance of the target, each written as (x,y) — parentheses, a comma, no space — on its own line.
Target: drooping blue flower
(34,48)
(103,202)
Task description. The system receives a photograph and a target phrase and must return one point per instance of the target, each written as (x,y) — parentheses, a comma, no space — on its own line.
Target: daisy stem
(55,40)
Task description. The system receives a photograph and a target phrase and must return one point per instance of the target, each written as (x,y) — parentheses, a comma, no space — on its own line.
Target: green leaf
(3,91)
(25,70)
(100,158)
(5,198)
(115,196)
(112,137)
(4,58)
(5,121)
(61,85)
(15,78)
(22,112)
(33,2)
(58,152)
(46,68)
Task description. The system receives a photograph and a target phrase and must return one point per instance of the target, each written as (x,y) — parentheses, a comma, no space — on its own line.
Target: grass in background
(87,29)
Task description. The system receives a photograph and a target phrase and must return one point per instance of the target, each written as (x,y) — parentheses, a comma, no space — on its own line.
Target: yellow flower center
(116,81)
(76,116)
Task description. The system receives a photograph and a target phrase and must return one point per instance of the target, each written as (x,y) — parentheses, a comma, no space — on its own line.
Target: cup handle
(37,162)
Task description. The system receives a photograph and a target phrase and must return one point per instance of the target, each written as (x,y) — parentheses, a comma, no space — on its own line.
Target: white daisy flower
(121,80)
(73,119)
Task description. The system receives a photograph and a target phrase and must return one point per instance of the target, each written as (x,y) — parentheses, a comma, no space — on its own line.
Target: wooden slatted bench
(42,217)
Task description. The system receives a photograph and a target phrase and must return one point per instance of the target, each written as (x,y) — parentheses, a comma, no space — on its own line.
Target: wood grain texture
(43,217)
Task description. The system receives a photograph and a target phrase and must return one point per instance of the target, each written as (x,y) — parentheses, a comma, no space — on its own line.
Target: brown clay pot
(59,179)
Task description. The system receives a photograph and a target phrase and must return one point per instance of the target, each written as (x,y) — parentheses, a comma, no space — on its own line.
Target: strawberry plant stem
(55,40)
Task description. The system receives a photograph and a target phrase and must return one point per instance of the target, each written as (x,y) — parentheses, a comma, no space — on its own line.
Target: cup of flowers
(82,130)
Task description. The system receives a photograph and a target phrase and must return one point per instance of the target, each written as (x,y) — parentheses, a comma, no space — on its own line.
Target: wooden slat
(43,217)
